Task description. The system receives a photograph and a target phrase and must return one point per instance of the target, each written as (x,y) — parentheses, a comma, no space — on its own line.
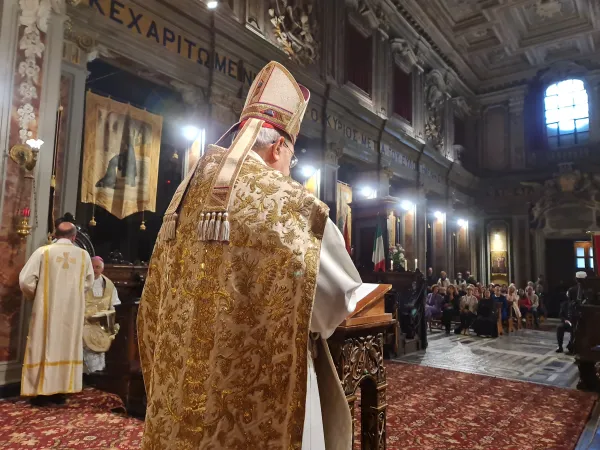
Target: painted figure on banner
(57,277)
(123,165)
(248,279)
(121,156)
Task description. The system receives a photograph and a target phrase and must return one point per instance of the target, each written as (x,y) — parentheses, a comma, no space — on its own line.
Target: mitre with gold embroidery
(275,100)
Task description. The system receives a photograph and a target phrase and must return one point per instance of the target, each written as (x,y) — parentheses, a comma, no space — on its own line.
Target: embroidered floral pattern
(223,329)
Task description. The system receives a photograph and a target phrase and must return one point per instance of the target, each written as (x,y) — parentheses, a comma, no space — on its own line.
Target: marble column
(28,106)
(12,250)
(329,177)
(483,275)
(539,252)
(451,238)
(421,230)
(383,188)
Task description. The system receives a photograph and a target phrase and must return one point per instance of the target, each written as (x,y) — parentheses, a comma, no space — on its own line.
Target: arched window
(567,114)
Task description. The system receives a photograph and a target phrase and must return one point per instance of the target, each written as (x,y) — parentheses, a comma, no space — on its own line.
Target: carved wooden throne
(357,351)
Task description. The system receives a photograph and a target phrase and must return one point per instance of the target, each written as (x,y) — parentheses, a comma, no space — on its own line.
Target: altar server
(56,277)
(247,264)
(101,298)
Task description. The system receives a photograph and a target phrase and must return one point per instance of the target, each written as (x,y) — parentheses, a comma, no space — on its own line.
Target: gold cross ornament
(65,260)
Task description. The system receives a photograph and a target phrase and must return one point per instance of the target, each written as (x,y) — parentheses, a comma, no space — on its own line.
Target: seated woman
(468,310)
(433,304)
(450,307)
(513,301)
(498,297)
(524,303)
(486,323)
(477,292)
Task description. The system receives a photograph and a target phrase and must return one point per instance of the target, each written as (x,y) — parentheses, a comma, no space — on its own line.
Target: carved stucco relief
(436,94)
(296,30)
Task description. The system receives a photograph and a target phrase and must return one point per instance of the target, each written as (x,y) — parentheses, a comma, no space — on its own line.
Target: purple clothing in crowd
(433,306)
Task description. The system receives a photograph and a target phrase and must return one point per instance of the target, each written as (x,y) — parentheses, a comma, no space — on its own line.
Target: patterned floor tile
(527,355)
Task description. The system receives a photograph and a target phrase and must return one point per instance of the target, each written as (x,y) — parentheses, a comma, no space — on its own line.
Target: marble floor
(527,355)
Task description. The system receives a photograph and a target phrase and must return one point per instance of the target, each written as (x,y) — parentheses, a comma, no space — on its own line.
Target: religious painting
(499,262)
(344,212)
(313,183)
(121,156)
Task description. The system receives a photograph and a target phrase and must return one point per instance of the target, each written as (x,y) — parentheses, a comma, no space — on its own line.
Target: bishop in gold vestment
(246,266)
(56,277)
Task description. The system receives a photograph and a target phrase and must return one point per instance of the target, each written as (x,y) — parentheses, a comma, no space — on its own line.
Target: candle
(405,264)
(26,212)
(416,261)
(392,264)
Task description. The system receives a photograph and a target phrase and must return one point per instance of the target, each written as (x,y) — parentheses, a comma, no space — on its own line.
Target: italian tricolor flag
(378,253)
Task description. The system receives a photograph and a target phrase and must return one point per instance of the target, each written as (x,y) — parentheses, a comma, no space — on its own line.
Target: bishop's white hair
(266,137)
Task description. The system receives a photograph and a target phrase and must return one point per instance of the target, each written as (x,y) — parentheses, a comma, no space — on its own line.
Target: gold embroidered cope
(223,329)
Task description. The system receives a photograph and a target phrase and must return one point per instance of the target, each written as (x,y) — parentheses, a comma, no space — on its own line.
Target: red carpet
(436,409)
(457,411)
(85,422)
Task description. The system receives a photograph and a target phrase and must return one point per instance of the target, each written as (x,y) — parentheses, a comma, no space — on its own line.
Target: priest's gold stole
(120,157)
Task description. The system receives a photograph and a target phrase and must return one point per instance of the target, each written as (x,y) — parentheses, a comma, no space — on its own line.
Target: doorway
(564,257)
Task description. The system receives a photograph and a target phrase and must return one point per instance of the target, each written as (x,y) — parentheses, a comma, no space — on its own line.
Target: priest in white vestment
(339,288)
(102,297)
(56,277)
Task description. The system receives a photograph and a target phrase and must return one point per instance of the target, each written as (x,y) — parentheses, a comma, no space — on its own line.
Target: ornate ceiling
(498,42)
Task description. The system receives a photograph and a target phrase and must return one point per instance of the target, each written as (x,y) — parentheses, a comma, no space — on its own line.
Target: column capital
(333,153)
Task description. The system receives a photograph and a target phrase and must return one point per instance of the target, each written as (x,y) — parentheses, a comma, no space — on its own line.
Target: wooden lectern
(357,351)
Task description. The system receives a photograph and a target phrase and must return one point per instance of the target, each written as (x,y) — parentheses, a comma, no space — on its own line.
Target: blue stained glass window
(567,114)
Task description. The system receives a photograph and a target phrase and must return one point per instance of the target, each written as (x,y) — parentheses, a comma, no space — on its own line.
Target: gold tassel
(211,227)
(168,231)
(201,227)
(217,234)
(205,227)
(225,228)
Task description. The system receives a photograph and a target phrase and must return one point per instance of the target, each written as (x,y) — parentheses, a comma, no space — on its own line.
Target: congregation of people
(469,304)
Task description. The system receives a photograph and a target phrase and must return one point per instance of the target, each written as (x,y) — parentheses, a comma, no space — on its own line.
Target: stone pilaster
(382,76)
(329,177)
(74,68)
(49,103)
(517,130)
(593,84)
